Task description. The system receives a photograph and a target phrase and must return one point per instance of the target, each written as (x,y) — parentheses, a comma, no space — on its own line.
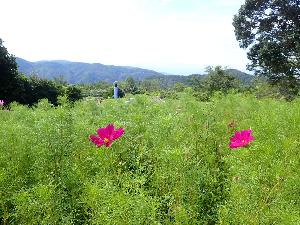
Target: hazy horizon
(162,72)
(168,36)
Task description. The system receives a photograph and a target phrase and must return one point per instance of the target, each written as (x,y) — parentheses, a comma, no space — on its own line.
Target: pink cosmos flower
(240,139)
(1,102)
(106,135)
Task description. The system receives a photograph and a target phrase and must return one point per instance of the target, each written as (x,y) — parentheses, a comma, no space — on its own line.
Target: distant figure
(116,90)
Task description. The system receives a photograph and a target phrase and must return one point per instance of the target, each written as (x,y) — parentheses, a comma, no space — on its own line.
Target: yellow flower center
(105,140)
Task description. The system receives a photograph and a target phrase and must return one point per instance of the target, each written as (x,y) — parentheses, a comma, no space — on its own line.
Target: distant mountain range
(78,72)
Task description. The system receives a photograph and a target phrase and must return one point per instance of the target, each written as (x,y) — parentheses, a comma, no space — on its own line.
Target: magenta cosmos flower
(240,139)
(106,135)
(1,102)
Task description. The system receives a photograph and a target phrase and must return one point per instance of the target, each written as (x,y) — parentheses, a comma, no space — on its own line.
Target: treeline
(31,90)
(14,86)
(164,85)
(217,79)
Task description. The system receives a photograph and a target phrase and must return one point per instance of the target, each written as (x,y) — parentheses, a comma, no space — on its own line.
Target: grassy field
(172,165)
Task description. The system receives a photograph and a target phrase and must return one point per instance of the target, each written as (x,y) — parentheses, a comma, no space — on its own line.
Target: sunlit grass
(172,165)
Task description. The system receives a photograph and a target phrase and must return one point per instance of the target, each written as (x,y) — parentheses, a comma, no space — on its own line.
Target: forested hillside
(78,72)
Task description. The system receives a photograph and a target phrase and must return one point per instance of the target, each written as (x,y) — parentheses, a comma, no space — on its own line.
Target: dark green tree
(178,87)
(270,29)
(217,79)
(73,93)
(131,86)
(10,81)
(150,85)
(42,88)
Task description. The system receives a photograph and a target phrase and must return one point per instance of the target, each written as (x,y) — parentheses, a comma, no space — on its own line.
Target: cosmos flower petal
(246,133)
(233,139)
(106,135)
(240,139)
(107,144)
(102,132)
(237,135)
(118,133)
(97,141)
(93,138)
(109,129)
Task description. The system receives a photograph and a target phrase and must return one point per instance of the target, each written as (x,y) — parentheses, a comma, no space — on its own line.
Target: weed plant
(171,166)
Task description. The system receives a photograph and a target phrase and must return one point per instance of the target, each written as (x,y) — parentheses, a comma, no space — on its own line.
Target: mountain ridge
(81,72)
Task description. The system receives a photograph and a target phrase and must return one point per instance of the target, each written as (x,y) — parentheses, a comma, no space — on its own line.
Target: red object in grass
(106,135)
(240,139)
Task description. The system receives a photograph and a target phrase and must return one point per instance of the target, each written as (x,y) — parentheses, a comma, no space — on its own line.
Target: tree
(217,79)
(150,85)
(42,88)
(73,93)
(178,87)
(270,29)
(10,81)
(131,86)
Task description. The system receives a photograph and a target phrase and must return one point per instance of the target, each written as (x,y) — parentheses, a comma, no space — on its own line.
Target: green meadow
(172,165)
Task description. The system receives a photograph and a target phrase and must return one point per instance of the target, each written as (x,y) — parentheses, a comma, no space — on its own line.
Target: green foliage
(217,80)
(73,93)
(171,94)
(52,174)
(10,81)
(131,86)
(150,85)
(179,87)
(243,78)
(271,31)
(171,166)
(101,89)
(16,87)
(41,88)
(261,88)
(264,177)
(35,88)
(85,73)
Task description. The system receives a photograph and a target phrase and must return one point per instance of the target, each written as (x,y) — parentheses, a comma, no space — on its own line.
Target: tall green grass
(171,166)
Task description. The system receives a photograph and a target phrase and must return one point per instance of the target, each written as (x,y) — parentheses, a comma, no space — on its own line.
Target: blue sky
(171,36)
